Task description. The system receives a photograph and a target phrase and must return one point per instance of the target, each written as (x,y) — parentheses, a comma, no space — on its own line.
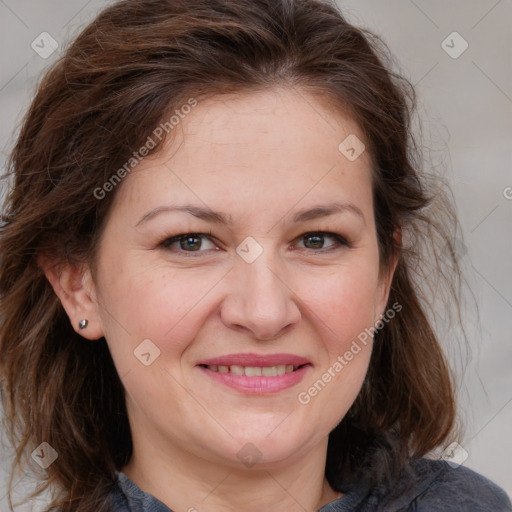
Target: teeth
(237,370)
(281,369)
(254,371)
(269,371)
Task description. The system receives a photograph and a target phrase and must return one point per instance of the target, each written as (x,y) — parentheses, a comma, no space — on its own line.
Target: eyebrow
(225,219)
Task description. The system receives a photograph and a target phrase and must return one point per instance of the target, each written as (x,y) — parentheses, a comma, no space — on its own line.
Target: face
(219,336)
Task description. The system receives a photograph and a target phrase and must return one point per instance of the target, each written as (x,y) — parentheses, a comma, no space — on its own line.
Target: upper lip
(255,360)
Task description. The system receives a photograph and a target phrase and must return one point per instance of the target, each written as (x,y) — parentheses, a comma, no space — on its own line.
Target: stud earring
(83,324)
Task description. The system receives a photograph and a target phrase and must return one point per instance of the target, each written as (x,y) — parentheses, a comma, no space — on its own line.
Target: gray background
(466,105)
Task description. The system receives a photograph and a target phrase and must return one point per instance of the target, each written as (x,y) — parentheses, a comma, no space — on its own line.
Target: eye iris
(318,243)
(191,239)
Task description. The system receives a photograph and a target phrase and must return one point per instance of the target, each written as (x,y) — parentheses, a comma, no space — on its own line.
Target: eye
(317,239)
(189,242)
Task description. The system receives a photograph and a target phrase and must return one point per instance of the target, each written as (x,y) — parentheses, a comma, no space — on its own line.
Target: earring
(83,324)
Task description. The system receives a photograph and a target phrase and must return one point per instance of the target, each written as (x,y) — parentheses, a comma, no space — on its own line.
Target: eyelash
(340,242)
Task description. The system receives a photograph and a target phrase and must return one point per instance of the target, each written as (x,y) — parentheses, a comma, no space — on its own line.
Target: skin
(259,157)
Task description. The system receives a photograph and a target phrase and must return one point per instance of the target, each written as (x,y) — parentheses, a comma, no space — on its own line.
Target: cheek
(343,311)
(343,301)
(157,303)
(342,308)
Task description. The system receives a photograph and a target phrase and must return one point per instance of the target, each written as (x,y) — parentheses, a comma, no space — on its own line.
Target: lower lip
(258,385)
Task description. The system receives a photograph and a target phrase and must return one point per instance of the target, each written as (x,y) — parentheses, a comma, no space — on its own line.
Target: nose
(259,300)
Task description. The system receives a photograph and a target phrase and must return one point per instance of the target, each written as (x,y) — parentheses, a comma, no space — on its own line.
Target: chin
(269,450)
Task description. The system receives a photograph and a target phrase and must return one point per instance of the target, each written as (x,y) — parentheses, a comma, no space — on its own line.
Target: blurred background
(458,54)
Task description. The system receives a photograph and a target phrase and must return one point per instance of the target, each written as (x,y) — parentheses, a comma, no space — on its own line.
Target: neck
(185,482)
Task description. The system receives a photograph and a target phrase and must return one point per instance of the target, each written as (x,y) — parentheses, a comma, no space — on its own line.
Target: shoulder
(126,496)
(435,485)
(118,501)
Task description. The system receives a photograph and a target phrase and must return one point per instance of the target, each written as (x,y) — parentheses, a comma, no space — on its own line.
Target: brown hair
(138,60)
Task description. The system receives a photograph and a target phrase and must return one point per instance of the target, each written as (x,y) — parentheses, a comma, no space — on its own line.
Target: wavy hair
(136,63)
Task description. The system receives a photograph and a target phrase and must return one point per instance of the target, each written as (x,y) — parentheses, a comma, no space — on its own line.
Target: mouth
(256,374)
(255,371)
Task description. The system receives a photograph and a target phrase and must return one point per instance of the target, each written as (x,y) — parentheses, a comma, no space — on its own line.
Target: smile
(255,371)
(256,380)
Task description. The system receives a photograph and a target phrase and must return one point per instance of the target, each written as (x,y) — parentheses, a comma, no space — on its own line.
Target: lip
(256,360)
(257,385)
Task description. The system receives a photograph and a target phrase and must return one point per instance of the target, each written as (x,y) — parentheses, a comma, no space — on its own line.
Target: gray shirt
(430,486)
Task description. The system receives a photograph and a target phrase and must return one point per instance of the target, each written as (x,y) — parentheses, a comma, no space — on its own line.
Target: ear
(387,278)
(74,286)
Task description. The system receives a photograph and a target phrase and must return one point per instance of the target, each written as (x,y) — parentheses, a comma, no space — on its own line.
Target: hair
(122,76)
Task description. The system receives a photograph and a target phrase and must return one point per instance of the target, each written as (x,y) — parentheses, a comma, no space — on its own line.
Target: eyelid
(341,242)
(173,239)
(340,239)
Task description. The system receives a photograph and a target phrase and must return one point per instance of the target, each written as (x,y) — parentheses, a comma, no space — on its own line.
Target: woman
(208,286)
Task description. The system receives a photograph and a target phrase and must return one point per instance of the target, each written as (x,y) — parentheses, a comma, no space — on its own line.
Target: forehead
(271,118)
(248,148)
